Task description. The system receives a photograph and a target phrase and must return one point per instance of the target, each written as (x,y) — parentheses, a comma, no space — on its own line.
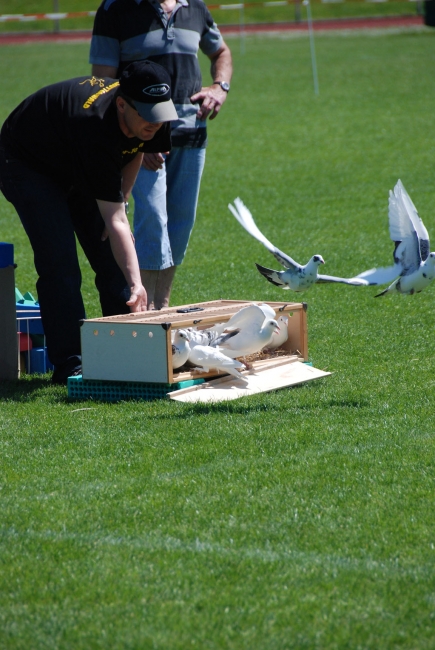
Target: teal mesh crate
(112,391)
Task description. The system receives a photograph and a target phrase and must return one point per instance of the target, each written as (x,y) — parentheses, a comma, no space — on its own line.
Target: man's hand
(153,161)
(212,99)
(138,299)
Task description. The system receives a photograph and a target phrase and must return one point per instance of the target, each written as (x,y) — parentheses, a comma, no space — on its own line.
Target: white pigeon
(280,337)
(180,349)
(201,337)
(206,358)
(249,314)
(413,261)
(296,277)
(249,339)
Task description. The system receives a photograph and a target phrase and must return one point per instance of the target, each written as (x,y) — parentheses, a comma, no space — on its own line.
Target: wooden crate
(138,348)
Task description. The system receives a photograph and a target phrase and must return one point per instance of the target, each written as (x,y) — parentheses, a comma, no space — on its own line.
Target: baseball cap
(149,86)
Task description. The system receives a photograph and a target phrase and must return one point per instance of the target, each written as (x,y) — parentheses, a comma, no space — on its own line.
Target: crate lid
(201,312)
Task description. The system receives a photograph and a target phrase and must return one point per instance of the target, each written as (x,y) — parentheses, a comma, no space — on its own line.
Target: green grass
(297,519)
(255,12)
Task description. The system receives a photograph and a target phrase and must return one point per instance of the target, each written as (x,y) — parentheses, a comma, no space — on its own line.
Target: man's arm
(124,252)
(213,96)
(129,173)
(104,71)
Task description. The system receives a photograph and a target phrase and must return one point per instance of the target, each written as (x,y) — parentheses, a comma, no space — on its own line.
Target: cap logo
(157,90)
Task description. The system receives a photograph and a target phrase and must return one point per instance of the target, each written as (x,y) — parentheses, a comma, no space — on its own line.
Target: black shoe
(71,368)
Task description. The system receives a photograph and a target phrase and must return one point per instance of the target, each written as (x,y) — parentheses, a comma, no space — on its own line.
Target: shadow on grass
(243,406)
(29,388)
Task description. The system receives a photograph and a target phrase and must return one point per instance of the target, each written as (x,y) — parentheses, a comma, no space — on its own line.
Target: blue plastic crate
(29,320)
(37,361)
(112,391)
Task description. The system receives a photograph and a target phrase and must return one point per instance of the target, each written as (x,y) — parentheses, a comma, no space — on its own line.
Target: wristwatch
(223,84)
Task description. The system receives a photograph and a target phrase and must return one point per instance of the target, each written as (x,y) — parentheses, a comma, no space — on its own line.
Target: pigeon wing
(419,227)
(245,218)
(249,315)
(356,282)
(406,230)
(409,235)
(223,338)
(381,275)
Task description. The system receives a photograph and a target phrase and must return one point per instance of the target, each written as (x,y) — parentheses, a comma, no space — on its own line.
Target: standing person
(69,155)
(169,32)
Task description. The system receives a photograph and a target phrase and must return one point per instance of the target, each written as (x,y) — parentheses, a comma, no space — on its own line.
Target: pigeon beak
(277,329)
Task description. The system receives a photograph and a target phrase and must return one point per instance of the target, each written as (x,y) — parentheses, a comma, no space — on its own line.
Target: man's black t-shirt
(70,132)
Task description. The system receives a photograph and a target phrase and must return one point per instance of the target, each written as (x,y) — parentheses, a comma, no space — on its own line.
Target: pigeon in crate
(279,338)
(200,337)
(250,338)
(206,358)
(180,349)
(296,277)
(247,315)
(414,264)
(206,336)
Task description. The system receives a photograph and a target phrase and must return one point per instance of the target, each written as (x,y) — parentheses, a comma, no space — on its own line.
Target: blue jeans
(165,208)
(51,216)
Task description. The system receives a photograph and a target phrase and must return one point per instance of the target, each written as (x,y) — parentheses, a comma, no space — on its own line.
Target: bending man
(69,155)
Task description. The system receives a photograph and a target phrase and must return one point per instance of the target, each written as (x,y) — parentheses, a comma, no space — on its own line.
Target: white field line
(155,542)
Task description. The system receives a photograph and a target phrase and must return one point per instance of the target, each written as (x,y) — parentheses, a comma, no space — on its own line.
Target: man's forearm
(222,65)
(129,174)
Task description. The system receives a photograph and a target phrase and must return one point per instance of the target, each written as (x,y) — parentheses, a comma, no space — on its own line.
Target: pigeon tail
(382,292)
(223,338)
(271,275)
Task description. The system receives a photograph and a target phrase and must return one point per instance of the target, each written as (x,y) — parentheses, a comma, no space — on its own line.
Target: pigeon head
(272,324)
(431,258)
(182,335)
(318,259)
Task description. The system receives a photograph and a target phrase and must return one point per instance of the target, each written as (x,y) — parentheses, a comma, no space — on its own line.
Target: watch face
(225,86)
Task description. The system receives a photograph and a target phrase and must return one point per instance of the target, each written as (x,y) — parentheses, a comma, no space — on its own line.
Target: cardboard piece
(277,374)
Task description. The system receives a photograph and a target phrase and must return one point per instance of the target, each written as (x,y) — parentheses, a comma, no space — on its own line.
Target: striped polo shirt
(132,30)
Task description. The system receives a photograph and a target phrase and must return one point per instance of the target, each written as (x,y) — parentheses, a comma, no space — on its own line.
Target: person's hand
(138,299)
(153,161)
(212,99)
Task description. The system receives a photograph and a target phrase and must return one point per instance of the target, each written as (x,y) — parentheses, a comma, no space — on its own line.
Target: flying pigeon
(413,261)
(206,358)
(251,338)
(295,277)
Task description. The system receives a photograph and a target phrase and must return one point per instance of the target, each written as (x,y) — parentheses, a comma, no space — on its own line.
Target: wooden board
(259,380)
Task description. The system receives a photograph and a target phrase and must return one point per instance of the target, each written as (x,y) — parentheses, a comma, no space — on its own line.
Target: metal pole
(297,4)
(56,23)
(242,29)
(313,51)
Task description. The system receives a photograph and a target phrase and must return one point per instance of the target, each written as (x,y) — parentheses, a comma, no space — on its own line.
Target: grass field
(297,519)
